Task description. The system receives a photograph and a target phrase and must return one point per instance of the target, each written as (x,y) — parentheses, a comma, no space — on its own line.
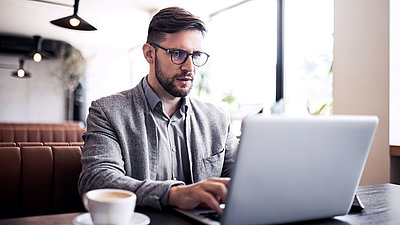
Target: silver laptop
(295,169)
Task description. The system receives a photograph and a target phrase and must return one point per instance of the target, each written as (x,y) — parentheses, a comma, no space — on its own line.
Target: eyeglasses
(179,56)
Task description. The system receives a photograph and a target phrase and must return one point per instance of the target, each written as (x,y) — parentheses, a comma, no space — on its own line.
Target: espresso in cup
(110,206)
(111,196)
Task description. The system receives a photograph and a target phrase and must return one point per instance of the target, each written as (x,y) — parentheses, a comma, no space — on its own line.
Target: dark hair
(172,20)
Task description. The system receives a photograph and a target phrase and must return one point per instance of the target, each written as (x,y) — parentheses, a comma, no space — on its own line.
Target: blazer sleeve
(103,163)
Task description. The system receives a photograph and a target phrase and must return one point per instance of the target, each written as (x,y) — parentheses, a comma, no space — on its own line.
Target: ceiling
(120,23)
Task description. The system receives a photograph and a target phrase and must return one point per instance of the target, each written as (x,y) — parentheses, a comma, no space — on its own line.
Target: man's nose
(188,65)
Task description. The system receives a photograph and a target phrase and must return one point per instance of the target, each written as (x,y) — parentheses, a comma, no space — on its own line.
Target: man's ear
(149,53)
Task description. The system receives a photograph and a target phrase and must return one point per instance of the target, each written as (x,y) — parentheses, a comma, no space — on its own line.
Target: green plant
(230,99)
(202,85)
(70,68)
(327,107)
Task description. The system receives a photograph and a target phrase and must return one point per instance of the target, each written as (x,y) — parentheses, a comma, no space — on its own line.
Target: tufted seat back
(37,180)
(41,134)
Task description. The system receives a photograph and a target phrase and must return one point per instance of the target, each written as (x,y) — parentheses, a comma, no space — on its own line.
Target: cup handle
(85,202)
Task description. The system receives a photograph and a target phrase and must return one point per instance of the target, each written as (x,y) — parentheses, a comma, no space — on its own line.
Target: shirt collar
(153,99)
(151,96)
(184,106)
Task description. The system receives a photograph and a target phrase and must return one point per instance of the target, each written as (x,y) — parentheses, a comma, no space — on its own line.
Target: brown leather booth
(68,124)
(37,180)
(8,144)
(41,134)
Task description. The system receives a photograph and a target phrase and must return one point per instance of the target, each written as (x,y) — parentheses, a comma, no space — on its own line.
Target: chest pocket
(213,164)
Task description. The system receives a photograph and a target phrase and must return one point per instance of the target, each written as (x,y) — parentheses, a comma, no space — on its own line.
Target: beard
(168,83)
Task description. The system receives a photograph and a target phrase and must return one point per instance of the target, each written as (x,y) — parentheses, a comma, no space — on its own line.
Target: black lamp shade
(64,22)
(21,67)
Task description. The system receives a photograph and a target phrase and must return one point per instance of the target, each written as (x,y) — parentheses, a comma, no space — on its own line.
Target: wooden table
(381,201)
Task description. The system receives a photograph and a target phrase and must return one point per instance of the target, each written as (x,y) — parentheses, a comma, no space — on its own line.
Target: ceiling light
(21,73)
(74,21)
(37,54)
(37,57)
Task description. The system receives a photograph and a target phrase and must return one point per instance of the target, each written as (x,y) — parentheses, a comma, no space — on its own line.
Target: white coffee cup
(110,206)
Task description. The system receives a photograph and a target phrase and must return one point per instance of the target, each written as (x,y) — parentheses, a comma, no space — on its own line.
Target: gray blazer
(121,149)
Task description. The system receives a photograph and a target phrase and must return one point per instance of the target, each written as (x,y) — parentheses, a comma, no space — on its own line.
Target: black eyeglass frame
(170,51)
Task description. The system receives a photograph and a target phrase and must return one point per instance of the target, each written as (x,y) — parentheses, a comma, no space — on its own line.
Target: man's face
(177,80)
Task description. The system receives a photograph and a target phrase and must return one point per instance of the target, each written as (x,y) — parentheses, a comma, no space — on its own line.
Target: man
(155,141)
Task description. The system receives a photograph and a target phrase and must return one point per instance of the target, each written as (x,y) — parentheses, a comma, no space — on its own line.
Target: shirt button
(174,178)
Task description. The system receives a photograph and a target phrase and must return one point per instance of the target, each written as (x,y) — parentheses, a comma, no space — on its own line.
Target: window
(241,68)
(308,56)
(242,42)
(243,46)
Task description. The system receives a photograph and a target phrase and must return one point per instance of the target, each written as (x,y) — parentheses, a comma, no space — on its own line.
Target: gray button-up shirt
(173,158)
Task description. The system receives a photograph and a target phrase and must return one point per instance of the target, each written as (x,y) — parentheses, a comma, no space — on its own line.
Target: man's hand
(210,193)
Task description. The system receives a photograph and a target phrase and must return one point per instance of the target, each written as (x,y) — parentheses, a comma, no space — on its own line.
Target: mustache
(185,74)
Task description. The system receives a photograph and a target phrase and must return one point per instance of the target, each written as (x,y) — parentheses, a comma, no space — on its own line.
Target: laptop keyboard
(212,215)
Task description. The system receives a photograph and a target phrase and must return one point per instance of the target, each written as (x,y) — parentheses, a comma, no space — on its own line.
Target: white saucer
(137,219)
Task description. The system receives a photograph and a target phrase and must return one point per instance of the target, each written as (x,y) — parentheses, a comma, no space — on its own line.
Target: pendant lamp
(37,54)
(73,22)
(21,73)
